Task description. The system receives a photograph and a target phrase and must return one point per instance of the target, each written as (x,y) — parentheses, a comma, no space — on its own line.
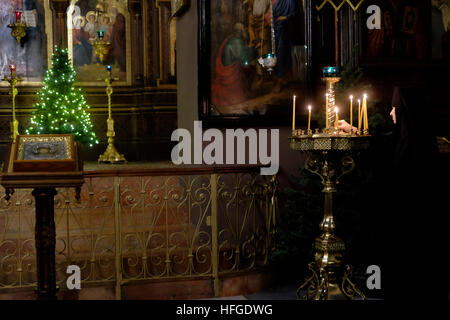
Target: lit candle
(326,111)
(359,114)
(293,115)
(101,34)
(12,68)
(351,112)
(18,15)
(337,118)
(366,120)
(309,118)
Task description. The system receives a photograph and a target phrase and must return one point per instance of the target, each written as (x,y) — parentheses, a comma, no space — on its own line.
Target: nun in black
(412,258)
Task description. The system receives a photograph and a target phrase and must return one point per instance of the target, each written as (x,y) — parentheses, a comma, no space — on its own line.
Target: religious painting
(30,54)
(167,36)
(440,29)
(239,42)
(98,36)
(403,34)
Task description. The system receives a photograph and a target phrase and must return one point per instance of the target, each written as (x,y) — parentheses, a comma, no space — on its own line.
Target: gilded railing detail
(145,227)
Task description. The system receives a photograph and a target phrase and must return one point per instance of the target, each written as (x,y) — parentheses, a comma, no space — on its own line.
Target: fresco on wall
(30,56)
(403,31)
(241,34)
(85,19)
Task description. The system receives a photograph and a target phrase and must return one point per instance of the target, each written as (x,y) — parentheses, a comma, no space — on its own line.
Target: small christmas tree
(61,107)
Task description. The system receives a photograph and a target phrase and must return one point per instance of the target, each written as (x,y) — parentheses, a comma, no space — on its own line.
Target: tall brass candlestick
(13,80)
(111,155)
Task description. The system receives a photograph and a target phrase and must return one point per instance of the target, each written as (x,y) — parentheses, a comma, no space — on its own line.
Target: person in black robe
(407,201)
(412,221)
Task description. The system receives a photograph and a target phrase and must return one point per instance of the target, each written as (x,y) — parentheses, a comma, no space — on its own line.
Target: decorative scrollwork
(348,287)
(347,166)
(164,224)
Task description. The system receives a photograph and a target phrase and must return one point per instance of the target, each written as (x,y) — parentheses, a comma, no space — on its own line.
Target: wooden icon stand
(43,163)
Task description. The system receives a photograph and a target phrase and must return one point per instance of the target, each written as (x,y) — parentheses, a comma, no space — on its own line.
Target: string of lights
(61,108)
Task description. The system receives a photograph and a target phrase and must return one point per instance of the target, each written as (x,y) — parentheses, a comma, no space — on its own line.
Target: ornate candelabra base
(330,159)
(328,281)
(111,155)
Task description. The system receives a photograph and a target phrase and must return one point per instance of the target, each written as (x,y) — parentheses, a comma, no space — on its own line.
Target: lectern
(43,163)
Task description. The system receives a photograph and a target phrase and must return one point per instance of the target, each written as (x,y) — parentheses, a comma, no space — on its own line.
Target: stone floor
(284,292)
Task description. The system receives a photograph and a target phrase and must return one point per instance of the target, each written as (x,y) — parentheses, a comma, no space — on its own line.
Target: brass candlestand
(111,155)
(331,160)
(13,80)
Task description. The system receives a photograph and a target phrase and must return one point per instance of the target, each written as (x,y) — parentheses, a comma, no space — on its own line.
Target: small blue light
(108,68)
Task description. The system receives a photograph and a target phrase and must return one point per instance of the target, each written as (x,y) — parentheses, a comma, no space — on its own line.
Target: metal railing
(132,226)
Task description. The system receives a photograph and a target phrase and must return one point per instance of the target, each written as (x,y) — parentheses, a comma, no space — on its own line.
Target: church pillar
(60,29)
(187,68)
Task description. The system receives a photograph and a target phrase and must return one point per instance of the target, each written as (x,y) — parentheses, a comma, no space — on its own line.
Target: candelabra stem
(328,280)
(13,80)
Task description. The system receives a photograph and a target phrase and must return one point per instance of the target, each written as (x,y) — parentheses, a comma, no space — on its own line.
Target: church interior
(135,138)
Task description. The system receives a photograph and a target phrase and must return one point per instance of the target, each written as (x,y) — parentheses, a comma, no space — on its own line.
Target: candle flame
(351,97)
(336,109)
(365,96)
(309,108)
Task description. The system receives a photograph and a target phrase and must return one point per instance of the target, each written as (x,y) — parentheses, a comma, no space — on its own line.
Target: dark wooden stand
(45,238)
(44,185)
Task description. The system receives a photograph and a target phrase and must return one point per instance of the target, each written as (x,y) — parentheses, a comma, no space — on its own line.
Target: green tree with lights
(61,108)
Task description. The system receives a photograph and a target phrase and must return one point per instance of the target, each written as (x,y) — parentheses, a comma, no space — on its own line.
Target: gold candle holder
(102,49)
(330,158)
(13,80)
(111,154)
(18,30)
